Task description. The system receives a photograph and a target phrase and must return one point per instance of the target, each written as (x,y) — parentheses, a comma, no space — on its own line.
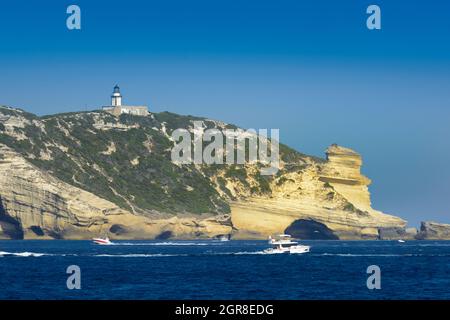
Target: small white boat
(401,241)
(102,241)
(224,238)
(284,244)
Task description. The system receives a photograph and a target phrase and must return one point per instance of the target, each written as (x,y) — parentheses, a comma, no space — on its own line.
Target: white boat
(102,241)
(401,241)
(283,244)
(224,238)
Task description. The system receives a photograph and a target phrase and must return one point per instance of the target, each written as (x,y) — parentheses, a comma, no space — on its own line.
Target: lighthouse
(116,97)
(117,108)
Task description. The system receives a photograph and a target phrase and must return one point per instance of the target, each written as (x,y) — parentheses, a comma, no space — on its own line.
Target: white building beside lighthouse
(116,108)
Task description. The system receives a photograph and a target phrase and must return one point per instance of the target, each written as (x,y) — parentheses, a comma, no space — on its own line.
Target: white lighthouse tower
(116,97)
(117,108)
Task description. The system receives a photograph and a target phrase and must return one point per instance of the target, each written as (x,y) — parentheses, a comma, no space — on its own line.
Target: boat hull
(291,250)
(101,241)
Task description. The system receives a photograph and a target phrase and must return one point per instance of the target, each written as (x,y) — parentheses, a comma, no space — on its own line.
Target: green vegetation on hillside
(126,160)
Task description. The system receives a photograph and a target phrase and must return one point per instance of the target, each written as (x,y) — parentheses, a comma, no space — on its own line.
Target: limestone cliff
(430,230)
(36,205)
(333,193)
(78,175)
(343,172)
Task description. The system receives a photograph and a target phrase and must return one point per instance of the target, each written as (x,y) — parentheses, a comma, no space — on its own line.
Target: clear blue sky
(310,68)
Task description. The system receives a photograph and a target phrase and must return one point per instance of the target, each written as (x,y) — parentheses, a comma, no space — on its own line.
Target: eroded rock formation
(333,193)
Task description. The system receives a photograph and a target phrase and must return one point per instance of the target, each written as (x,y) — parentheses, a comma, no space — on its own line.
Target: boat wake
(161,244)
(23,254)
(208,253)
(251,253)
(127,255)
(143,255)
(240,253)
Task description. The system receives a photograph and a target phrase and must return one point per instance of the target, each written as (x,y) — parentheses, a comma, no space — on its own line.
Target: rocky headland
(80,175)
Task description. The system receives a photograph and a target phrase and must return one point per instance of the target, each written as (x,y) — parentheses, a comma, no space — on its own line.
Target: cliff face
(35,205)
(397,233)
(343,172)
(80,175)
(332,193)
(434,231)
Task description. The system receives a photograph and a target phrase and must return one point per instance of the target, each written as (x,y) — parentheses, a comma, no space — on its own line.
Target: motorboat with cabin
(283,243)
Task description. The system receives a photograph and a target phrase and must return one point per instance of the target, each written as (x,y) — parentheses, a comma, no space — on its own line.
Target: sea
(209,269)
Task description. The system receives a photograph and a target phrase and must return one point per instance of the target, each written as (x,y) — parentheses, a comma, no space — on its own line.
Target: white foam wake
(144,255)
(252,252)
(139,255)
(160,244)
(236,253)
(23,254)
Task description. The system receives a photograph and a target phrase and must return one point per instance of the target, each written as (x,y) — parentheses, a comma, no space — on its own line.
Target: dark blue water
(223,270)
